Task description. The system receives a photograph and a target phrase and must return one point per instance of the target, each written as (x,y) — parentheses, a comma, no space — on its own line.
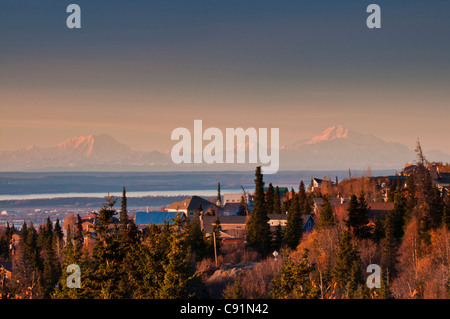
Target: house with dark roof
(230,209)
(281,219)
(190,206)
(375,209)
(318,203)
(443,182)
(316,183)
(234,227)
(236,198)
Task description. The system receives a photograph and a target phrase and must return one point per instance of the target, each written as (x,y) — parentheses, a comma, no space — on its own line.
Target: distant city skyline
(137,70)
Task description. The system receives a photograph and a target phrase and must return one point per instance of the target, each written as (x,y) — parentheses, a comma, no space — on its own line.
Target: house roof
(396,177)
(376,209)
(305,217)
(208,221)
(191,204)
(155,218)
(230,207)
(444,178)
(318,202)
(90,215)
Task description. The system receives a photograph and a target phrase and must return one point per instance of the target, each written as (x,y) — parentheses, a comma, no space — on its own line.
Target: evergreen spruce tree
(429,199)
(74,255)
(345,258)
(148,275)
(364,230)
(326,216)
(128,231)
(258,228)
(270,198)
(178,271)
(424,230)
(47,234)
(63,292)
(411,201)
(123,217)
(355,287)
(385,290)
(358,219)
(103,278)
(23,234)
(293,282)
(78,234)
(51,267)
(24,275)
(285,206)
(28,264)
(378,232)
(133,233)
(105,216)
(4,249)
(277,238)
(277,201)
(242,210)
(7,240)
(303,200)
(398,216)
(236,291)
(50,275)
(219,196)
(58,238)
(352,221)
(32,250)
(293,230)
(196,238)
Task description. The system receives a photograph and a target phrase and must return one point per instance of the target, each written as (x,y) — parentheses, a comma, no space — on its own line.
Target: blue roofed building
(144,219)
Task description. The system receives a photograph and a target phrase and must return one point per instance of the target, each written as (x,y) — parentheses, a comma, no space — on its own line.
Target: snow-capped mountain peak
(80,143)
(331,133)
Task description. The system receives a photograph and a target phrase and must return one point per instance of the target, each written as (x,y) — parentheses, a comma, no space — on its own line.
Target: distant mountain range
(335,149)
(341,148)
(83,153)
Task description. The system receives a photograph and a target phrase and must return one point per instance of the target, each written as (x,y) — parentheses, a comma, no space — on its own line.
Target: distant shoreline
(33,185)
(93,203)
(146,194)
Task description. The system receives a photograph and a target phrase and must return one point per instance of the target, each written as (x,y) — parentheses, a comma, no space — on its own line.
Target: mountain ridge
(335,148)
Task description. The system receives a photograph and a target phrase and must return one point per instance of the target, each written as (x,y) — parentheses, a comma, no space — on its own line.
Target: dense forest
(410,243)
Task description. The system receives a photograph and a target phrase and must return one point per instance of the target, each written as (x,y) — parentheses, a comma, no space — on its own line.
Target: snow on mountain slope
(340,148)
(336,148)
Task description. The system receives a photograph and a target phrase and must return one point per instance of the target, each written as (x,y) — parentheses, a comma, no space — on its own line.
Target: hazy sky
(138,69)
